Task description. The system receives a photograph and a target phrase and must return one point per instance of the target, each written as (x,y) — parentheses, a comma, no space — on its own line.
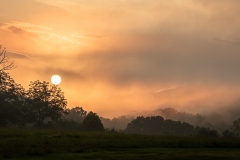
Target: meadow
(59,144)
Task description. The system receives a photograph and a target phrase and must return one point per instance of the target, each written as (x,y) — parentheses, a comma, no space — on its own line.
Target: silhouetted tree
(234,131)
(4,60)
(12,95)
(236,127)
(169,113)
(119,123)
(173,114)
(46,101)
(157,125)
(228,134)
(12,98)
(206,132)
(148,125)
(76,114)
(92,122)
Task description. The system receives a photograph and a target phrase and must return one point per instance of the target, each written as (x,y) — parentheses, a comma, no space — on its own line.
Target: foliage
(157,125)
(119,123)
(205,132)
(145,125)
(234,131)
(19,107)
(46,101)
(228,134)
(12,99)
(76,114)
(173,114)
(236,127)
(92,122)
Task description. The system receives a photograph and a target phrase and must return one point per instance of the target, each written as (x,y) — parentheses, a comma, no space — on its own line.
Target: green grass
(53,144)
(147,153)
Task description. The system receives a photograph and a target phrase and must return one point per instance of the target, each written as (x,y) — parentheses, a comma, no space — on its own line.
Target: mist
(123,58)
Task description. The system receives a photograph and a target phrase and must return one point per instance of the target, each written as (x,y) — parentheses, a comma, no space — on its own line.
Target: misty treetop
(92,122)
(77,114)
(234,131)
(157,125)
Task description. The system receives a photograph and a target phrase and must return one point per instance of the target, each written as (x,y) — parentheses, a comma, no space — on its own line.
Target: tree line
(44,105)
(157,125)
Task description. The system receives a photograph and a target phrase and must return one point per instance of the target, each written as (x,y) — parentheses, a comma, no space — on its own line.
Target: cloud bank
(117,57)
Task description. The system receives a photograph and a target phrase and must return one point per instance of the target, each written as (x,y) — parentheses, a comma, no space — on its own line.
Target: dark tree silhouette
(236,126)
(157,125)
(76,114)
(228,134)
(46,101)
(169,113)
(148,125)
(4,60)
(12,98)
(206,132)
(234,131)
(173,114)
(92,122)
(119,123)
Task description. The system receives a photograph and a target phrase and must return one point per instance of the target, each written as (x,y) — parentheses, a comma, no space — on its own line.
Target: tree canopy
(20,107)
(157,125)
(92,122)
(12,98)
(46,101)
(76,114)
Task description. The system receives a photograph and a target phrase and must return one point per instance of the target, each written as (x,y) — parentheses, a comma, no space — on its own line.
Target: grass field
(53,144)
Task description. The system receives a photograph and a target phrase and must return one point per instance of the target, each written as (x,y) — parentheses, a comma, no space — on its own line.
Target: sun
(56,79)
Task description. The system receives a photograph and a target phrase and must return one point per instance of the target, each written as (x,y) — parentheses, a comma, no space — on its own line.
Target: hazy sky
(121,56)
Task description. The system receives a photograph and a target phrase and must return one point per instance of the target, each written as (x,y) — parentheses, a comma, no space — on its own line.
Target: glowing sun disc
(56,79)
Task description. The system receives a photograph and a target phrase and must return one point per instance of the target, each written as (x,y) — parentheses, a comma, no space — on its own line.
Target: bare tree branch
(4,60)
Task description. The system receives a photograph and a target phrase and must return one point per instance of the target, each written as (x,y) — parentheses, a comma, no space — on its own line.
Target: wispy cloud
(45,38)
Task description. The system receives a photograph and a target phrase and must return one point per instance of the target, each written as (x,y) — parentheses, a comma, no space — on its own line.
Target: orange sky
(121,57)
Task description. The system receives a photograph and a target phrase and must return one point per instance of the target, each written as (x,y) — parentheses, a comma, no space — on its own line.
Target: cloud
(15,55)
(68,74)
(206,62)
(2,24)
(108,51)
(22,32)
(37,39)
(235,41)
(16,30)
(27,9)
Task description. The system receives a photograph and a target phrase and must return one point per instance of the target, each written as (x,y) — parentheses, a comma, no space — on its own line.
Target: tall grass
(30,142)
